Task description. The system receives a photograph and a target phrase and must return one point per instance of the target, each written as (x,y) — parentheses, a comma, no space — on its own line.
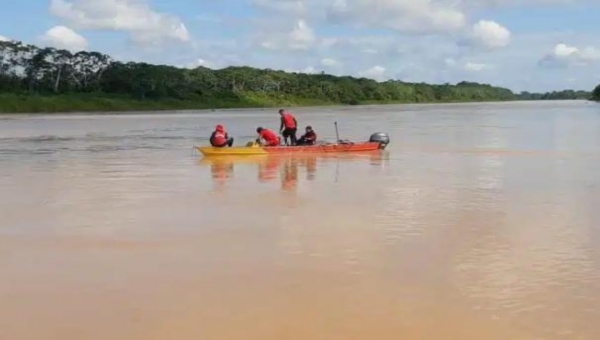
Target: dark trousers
(228,143)
(303,141)
(289,133)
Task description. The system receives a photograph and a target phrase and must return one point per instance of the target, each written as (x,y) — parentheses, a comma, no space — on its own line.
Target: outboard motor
(380,137)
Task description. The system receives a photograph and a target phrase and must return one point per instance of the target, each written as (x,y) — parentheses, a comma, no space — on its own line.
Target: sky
(525,45)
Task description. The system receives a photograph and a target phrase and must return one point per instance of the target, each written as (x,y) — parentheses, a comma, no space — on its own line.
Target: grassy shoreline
(90,103)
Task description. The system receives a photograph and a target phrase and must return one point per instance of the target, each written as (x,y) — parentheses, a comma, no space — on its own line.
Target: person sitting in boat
(219,138)
(308,138)
(288,127)
(270,138)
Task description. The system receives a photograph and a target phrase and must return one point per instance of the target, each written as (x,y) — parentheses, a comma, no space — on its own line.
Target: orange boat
(377,141)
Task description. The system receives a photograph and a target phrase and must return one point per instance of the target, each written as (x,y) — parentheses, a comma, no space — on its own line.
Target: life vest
(310,136)
(270,137)
(219,136)
(288,121)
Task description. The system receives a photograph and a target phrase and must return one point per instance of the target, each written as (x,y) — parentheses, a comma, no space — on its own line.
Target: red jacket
(310,137)
(270,137)
(288,121)
(219,136)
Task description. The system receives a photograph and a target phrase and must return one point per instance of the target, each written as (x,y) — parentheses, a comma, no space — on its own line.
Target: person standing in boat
(309,138)
(270,138)
(219,138)
(288,127)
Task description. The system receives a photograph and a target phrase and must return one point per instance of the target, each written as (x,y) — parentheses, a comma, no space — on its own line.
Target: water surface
(480,221)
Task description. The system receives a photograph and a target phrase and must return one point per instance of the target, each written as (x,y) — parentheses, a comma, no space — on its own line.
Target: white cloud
(431,59)
(301,37)
(401,15)
(199,62)
(309,70)
(376,72)
(450,62)
(144,25)
(329,62)
(64,38)
(489,34)
(564,51)
(412,17)
(417,16)
(3,38)
(564,56)
(306,70)
(476,67)
(413,40)
(589,53)
(469,66)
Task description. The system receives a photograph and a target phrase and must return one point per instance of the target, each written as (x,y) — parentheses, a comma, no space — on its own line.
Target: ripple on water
(481,222)
(535,269)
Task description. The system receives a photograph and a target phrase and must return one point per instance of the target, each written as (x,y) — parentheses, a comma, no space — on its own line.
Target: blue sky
(533,45)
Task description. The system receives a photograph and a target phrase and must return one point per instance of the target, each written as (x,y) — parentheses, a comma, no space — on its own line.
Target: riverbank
(94,82)
(67,103)
(64,103)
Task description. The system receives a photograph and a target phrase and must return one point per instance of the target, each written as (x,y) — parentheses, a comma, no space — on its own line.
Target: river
(480,221)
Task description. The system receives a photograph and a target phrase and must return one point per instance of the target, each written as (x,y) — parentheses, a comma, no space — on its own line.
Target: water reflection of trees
(285,167)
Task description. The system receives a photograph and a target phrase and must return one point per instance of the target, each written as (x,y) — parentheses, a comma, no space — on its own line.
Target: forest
(35,79)
(596,94)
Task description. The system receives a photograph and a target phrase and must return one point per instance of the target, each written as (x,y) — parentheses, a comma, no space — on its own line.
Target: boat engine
(380,137)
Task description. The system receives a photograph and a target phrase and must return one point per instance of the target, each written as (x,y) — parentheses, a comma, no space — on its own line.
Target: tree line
(28,70)
(596,94)
(556,95)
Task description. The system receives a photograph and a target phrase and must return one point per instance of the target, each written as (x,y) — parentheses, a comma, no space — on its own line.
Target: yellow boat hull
(233,151)
(256,149)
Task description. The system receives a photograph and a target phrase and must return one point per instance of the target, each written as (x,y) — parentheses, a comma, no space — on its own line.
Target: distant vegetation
(34,79)
(556,95)
(596,94)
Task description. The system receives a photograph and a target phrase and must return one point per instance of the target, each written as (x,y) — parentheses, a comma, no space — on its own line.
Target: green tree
(32,72)
(596,93)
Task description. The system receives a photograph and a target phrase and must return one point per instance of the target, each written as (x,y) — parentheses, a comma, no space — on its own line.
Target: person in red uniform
(309,138)
(288,127)
(270,137)
(219,138)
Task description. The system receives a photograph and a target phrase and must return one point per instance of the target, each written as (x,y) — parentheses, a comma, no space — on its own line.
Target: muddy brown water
(480,221)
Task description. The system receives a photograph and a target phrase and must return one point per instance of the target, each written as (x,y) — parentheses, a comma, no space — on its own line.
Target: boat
(377,141)
(374,155)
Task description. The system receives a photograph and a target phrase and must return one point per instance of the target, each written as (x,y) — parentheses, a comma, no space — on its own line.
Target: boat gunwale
(282,149)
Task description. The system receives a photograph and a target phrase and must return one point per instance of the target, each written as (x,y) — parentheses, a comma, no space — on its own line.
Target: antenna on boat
(337,133)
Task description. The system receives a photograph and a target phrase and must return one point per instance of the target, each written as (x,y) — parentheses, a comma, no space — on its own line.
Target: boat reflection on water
(286,167)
